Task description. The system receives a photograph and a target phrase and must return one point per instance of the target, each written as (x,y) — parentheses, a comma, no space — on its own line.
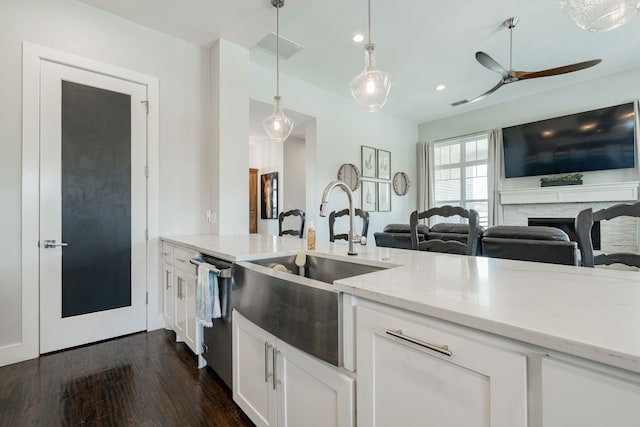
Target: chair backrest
(584,222)
(295,232)
(345,236)
(469,247)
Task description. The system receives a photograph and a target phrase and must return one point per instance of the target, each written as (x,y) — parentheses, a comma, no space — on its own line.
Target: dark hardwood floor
(145,379)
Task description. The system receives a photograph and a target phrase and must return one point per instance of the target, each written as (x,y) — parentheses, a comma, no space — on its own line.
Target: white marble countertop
(586,312)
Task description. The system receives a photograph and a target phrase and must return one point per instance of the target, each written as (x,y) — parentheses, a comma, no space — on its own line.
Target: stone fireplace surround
(617,235)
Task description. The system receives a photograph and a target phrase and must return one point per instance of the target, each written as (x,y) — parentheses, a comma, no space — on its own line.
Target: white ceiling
(422,43)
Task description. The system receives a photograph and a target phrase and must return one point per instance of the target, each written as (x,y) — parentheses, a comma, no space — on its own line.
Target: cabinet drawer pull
(267,346)
(444,349)
(275,364)
(168,278)
(181,260)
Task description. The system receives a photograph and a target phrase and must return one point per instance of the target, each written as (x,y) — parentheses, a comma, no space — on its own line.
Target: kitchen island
(570,335)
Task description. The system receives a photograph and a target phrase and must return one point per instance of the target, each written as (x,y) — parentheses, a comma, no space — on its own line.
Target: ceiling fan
(511,75)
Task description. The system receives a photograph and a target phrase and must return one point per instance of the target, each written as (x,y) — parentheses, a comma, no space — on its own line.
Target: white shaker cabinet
(412,371)
(276,384)
(179,291)
(588,396)
(168,296)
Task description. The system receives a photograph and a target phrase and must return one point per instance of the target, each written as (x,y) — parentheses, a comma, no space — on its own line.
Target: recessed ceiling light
(441,87)
(358,38)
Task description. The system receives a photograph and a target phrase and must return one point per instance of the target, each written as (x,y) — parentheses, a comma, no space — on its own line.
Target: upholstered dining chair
(291,232)
(469,247)
(584,223)
(364,215)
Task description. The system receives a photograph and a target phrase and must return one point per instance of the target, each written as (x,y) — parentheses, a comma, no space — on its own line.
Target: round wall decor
(401,183)
(350,174)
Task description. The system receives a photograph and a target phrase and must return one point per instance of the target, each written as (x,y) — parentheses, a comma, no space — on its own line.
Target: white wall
(615,89)
(335,138)
(182,69)
(229,162)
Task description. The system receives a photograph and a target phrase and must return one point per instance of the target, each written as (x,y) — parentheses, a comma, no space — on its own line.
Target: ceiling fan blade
(478,98)
(488,62)
(522,75)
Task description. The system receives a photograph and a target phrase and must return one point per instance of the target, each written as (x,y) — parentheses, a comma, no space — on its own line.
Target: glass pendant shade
(600,15)
(278,126)
(371,87)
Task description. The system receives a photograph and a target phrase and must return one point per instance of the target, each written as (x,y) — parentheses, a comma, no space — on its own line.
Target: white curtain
(495,168)
(425,176)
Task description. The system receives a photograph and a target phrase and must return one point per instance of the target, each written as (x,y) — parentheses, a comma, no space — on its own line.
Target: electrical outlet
(214,218)
(208,214)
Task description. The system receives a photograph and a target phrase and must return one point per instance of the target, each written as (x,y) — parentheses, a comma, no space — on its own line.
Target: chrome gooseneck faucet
(353,237)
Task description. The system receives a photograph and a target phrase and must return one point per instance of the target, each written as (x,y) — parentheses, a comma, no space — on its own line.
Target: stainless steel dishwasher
(217,342)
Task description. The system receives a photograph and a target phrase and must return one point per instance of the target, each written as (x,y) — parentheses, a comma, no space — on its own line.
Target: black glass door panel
(96,199)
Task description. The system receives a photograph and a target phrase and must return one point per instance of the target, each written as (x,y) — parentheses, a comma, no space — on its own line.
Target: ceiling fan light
(278,126)
(370,89)
(600,15)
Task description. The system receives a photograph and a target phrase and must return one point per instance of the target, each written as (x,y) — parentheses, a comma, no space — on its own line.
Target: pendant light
(278,126)
(371,87)
(600,15)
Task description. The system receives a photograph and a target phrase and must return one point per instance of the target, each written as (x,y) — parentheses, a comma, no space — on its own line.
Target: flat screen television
(593,140)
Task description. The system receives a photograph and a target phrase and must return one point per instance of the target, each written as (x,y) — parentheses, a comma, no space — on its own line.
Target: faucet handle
(359,239)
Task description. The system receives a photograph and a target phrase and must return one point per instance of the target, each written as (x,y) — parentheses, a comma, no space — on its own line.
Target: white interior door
(92,207)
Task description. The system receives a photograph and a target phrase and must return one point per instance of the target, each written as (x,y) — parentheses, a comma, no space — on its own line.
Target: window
(460,174)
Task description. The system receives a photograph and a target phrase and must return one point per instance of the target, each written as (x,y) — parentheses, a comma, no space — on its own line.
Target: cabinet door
(167,253)
(167,295)
(309,392)
(180,319)
(576,396)
(189,289)
(253,371)
(401,381)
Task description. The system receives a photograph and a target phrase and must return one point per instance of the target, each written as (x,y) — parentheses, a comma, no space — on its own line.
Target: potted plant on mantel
(574,179)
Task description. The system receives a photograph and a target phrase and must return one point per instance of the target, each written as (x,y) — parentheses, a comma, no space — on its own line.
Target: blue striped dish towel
(207,296)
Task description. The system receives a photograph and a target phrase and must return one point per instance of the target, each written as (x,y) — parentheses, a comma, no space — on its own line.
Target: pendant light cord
(369,9)
(278,51)
(511,47)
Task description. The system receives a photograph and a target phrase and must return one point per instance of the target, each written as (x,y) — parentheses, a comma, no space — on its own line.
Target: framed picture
(384,164)
(269,191)
(368,161)
(384,196)
(369,196)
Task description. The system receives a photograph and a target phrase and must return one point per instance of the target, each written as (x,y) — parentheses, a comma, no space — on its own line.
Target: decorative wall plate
(401,183)
(350,174)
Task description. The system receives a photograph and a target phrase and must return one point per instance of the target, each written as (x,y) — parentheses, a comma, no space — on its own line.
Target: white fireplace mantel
(609,192)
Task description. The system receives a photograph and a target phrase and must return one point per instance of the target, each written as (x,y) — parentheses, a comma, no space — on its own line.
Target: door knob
(53,244)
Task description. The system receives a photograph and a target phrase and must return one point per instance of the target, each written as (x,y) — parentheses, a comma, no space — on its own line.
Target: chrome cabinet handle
(179,287)
(442,349)
(267,346)
(168,274)
(275,364)
(54,244)
(181,259)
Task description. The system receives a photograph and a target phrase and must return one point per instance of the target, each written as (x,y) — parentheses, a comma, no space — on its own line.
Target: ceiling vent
(287,47)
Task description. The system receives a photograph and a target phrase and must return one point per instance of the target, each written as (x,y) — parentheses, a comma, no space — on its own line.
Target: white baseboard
(14,353)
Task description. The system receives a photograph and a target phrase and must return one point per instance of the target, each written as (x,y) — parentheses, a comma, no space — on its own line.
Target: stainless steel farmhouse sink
(326,270)
(302,311)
